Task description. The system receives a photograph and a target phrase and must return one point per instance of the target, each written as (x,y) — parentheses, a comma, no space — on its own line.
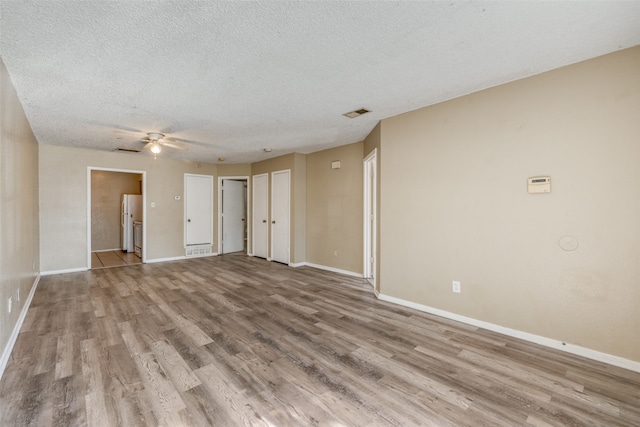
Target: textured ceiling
(237,77)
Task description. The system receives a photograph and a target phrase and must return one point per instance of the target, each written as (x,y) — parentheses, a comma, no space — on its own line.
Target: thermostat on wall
(539,184)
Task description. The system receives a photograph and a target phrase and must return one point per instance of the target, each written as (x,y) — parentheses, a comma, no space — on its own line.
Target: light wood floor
(233,340)
(113,259)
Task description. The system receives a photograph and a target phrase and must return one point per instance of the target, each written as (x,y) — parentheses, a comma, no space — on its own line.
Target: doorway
(232,214)
(106,225)
(370,218)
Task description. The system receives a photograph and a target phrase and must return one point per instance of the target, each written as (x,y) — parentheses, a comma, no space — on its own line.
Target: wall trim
(6,353)
(175,258)
(324,267)
(69,270)
(179,258)
(297,264)
(108,250)
(537,339)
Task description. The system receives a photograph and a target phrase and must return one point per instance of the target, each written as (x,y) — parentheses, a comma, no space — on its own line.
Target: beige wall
(19,261)
(335,208)
(63,202)
(295,162)
(234,170)
(299,204)
(106,190)
(455,205)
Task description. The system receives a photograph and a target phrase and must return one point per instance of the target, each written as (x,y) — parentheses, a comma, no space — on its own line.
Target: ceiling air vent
(356,113)
(127,150)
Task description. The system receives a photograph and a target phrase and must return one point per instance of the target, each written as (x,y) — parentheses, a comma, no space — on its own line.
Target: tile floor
(113,259)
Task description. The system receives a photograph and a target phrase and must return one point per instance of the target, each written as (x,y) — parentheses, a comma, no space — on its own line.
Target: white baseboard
(175,258)
(547,342)
(16,330)
(179,258)
(69,270)
(334,270)
(108,250)
(297,264)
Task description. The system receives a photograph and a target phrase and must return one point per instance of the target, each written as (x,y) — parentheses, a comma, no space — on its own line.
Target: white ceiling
(237,77)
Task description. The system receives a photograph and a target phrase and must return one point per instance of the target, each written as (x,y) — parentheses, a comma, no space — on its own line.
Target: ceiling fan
(156,139)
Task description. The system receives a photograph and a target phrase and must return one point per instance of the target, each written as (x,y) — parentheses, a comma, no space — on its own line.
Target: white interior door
(233,215)
(280,212)
(198,209)
(260,217)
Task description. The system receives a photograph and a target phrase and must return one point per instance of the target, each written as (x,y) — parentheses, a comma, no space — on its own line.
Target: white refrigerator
(130,211)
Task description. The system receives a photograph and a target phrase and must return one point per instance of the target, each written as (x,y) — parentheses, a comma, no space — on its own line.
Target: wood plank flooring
(233,340)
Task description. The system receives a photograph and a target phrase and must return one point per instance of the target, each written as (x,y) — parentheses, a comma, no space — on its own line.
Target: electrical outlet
(9,304)
(456,286)
(18,295)
(335,253)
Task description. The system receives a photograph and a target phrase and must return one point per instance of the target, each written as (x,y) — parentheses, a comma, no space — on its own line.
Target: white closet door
(198,209)
(260,217)
(280,213)
(233,216)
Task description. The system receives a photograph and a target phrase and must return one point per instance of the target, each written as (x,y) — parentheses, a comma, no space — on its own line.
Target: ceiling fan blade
(202,144)
(173,144)
(174,128)
(148,145)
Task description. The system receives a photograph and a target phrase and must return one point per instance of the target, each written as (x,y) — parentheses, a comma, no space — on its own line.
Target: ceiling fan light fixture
(155,148)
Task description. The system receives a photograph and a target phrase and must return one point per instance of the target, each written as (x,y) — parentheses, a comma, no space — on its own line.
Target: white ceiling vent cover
(356,113)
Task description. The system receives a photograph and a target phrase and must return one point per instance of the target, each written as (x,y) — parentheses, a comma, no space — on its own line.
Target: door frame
(247,180)
(370,219)
(271,233)
(144,208)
